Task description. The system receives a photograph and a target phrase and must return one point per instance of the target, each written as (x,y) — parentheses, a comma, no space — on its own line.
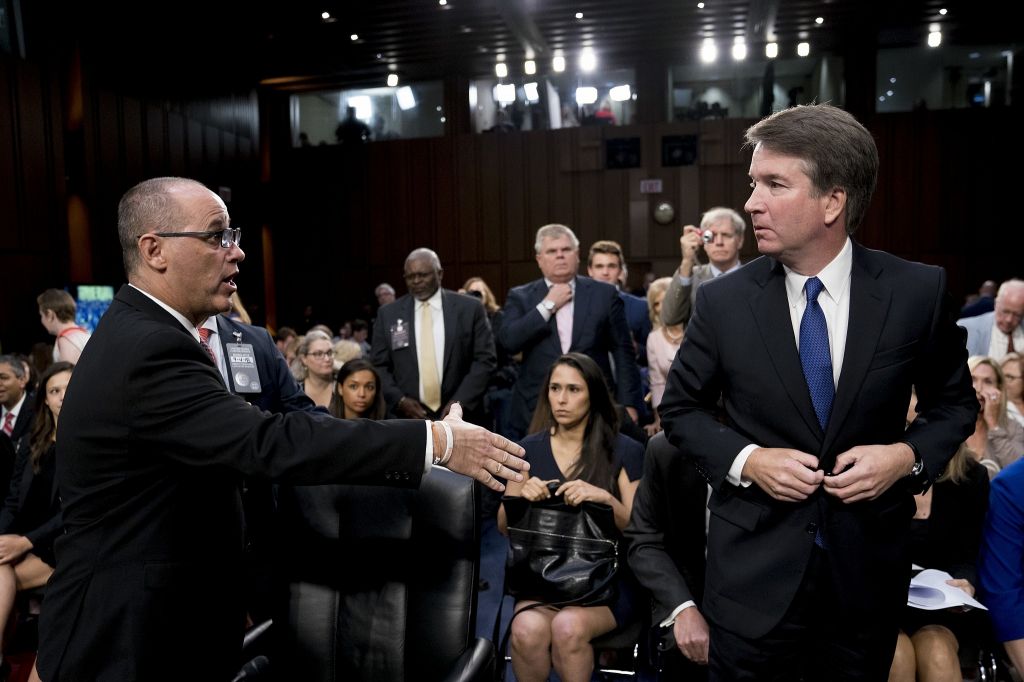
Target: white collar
(835,276)
(434,301)
(174,313)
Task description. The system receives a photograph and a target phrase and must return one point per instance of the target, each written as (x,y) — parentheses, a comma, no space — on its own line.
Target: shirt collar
(835,276)
(572,284)
(716,272)
(16,410)
(434,301)
(189,327)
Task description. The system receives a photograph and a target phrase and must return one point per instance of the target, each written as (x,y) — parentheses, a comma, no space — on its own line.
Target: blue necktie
(814,353)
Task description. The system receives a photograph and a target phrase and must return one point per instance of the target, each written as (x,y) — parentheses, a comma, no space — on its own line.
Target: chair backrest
(381,581)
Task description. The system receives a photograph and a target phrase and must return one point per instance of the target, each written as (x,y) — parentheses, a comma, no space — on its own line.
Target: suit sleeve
(522,325)
(627,374)
(380,356)
(676,306)
(648,556)
(690,405)
(946,402)
(471,390)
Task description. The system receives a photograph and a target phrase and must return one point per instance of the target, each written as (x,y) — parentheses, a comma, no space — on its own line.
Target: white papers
(929,591)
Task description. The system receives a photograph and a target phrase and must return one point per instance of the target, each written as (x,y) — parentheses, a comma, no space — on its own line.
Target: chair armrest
(476,664)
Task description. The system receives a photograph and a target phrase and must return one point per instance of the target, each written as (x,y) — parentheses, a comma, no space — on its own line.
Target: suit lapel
(448,312)
(770,308)
(869,307)
(408,309)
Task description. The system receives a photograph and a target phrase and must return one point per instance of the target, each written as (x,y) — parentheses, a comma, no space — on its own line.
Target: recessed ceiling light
(974,55)
(529,67)
(934,39)
(708,51)
(325,15)
(892,79)
(354,37)
(392,80)
(881,98)
(579,15)
(700,5)
(888,93)
(442,2)
(558,64)
(771,50)
(588,60)
(739,49)
(942,11)
(819,20)
(501,70)
(803,49)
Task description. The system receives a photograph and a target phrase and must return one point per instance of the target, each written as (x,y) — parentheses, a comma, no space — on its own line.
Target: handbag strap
(503,647)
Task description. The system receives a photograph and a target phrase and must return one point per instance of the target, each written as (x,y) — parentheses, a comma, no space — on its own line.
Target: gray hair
(148,206)
(424,253)
(16,367)
(384,286)
(554,231)
(299,370)
(717,214)
(836,150)
(1010,286)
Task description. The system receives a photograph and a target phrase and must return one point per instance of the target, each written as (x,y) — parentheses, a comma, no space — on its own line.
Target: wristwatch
(917,479)
(548,305)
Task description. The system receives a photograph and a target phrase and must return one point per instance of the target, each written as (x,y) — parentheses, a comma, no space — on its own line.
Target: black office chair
(382,583)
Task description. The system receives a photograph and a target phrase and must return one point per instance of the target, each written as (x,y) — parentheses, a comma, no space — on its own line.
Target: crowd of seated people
(577,438)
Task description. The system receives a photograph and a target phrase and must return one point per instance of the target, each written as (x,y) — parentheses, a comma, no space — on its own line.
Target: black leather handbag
(561,554)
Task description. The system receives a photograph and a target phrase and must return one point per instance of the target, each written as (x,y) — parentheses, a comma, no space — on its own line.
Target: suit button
(812,528)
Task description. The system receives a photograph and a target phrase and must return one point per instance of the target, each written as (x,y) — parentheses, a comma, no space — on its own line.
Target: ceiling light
(505,93)
(558,64)
(934,39)
(803,49)
(579,15)
(620,93)
(392,80)
(354,37)
(586,95)
(739,50)
(819,20)
(933,28)
(708,51)
(700,5)
(501,69)
(892,79)
(974,55)
(888,93)
(529,67)
(942,11)
(588,60)
(771,50)
(881,98)
(532,95)
(325,15)
(406,100)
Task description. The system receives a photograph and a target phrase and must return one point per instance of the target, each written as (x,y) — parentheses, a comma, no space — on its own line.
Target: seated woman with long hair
(314,366)
(31,519)
(998,440)
(575,441)
(357,394)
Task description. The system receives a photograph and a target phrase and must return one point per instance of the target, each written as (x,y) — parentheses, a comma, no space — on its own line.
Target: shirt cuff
(429,456)
(735,475)
(544,312)
(668,622)
(685,281)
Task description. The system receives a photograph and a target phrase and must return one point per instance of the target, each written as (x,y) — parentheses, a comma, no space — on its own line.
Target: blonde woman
(315,367)
(662,345)
(1013,377)
(997,439)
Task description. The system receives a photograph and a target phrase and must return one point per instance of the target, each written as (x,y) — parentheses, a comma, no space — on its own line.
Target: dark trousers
(814,641)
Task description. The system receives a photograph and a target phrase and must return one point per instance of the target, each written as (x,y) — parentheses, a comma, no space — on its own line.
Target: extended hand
(691,633)
(483,455)
(787,475)
(869,470)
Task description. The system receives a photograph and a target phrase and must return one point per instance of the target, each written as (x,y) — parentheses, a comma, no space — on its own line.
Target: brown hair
(60,302)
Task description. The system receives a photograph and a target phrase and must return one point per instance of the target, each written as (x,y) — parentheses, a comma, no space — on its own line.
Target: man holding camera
(721,234)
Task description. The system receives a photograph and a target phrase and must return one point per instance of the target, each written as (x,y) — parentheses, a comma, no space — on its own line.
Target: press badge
(242,364)
(399,335)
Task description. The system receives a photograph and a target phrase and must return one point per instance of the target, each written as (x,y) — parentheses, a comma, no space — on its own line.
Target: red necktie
(1009,346)
(9,423)
(204,338)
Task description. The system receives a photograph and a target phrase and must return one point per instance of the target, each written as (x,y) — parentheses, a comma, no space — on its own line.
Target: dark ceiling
(288,45)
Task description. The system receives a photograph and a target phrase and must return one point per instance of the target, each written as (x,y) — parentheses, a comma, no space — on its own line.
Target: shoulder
(984,321)
(597,290)
(524,290)
(752,275)
(460,302)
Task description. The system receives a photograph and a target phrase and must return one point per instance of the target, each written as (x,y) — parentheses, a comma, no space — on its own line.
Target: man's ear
(151,252)
(835,205)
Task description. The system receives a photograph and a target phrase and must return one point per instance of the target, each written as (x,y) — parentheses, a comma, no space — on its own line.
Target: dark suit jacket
(638,319)
(666,529)
(901,334)
(23,424)
(149,563)
(468,351)
(40,531)
(598,328)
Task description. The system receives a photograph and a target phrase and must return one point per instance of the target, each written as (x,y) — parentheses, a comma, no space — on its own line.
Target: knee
(569,631)
(904,662)
(530,634)
(937,647)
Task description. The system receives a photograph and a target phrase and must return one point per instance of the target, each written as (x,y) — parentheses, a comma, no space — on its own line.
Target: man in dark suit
(16,401)
(812,351)
(666,553)
(150,560)
(563,313)
(725,229)
(605,263)
(424,370)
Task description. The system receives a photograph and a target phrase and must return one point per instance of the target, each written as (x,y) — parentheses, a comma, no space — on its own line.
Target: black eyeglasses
(228,237)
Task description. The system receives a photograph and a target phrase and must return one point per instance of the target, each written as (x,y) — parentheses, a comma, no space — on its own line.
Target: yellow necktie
(428,362)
